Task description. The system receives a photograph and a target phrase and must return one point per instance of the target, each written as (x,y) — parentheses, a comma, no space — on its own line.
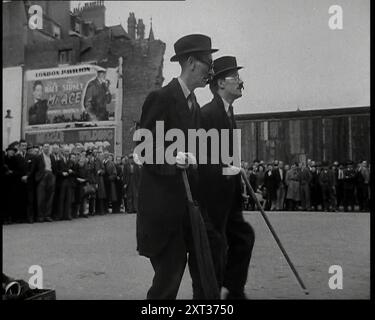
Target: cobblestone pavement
(96,258)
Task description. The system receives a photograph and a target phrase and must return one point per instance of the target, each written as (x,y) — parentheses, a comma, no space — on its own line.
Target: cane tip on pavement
(306,292)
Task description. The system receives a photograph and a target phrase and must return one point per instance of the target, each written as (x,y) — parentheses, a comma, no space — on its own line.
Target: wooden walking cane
(274,234)
(201,247)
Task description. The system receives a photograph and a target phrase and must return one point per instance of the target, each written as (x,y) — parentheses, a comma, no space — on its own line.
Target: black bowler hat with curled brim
(225,64)
(192,43)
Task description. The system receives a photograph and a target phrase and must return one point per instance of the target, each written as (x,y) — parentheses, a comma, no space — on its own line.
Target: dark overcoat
(162,197)
(219,192)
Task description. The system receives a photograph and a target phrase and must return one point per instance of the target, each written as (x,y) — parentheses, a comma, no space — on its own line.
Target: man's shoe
(236,296)
(48,219)
(40,220)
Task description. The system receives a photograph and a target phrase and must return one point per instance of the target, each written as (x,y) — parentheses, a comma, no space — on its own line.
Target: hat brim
(226,70)
(177,56)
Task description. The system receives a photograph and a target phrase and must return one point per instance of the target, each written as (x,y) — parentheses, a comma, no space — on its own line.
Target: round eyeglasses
(236,78)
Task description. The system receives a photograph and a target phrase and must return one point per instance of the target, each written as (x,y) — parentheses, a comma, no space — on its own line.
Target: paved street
(96,258)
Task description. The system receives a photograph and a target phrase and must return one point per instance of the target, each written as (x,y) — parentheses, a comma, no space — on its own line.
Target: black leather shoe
(48,219)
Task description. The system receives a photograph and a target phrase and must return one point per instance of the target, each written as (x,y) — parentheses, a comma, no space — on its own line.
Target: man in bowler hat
(222,196)
(163,225)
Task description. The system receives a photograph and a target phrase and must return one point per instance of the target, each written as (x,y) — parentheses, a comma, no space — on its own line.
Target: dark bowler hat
(192,43)
(224,64)
(11,148)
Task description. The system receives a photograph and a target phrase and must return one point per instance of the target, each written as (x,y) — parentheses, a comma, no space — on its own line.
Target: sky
(291,58)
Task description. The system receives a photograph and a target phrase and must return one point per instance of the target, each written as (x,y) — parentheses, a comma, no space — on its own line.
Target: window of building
(77,27)
(65,56)
(56,31)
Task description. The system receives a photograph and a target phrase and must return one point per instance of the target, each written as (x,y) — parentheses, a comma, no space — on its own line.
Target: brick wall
(142,70)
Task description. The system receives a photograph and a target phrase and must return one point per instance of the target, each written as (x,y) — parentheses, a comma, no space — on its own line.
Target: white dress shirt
(226,106)
(186,91)
(47,161)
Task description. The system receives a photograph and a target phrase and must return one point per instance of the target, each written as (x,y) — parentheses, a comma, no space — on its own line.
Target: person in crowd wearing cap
(92,180)
(163,225)
(362,186)
(221,194)
(97,97)
(38,111)
(334,169)
(293,181)
(110,176)
(271,186)
(340,185)
(119,185)
(82,176)
(43,170)
(349,186)
(132,179)
(55,155)
(64,195)
(279,173)
(101,194)
(73,183)
(10,180)
(124,161)
(20,207)
(314,188)
(326,182)
(305,188)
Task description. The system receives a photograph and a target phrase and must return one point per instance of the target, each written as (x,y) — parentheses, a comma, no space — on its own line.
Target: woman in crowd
(292,180)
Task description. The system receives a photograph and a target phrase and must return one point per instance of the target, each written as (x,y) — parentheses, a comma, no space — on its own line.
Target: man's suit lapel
(181,104)
(226,121)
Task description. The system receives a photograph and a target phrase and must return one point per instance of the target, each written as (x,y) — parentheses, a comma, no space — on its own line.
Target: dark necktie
(231,117)
(229,112)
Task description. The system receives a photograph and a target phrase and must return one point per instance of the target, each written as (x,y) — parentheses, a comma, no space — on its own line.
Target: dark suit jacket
(38,113)
(219,192)
(40,167)
(110,176)
(96,99)
(162,197)
(277,177)
(271,184)
(132,179)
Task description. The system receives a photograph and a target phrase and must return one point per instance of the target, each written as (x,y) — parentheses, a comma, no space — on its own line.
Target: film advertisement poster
(61,95)
(103,138)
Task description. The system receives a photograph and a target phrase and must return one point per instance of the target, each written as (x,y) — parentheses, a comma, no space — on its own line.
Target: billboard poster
(80,93)
(101,138)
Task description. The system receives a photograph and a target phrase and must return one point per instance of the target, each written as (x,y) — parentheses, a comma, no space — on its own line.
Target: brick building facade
(81,36)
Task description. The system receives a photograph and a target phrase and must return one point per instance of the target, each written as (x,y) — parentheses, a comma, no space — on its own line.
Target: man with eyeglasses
(163,225)
(233,238)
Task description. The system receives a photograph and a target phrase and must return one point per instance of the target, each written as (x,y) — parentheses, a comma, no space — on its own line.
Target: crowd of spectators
(311,186)
(63,182)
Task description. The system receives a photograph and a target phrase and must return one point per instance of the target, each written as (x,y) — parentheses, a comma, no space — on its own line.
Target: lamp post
(8,123)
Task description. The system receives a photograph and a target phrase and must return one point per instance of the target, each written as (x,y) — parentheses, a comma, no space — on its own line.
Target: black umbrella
(202,247)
